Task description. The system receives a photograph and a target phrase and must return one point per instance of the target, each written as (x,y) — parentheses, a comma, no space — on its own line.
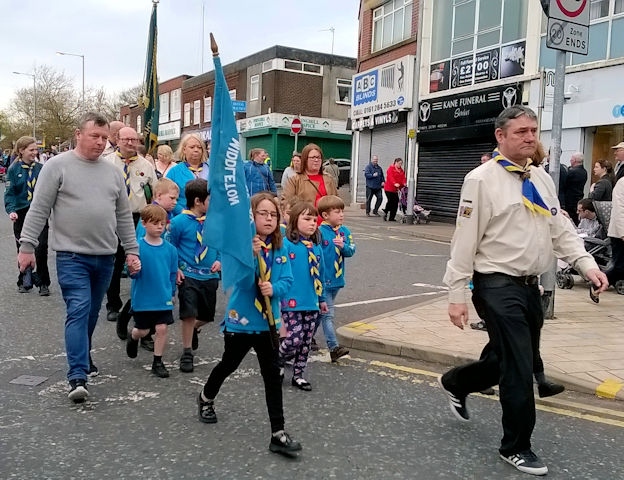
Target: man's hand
(598,279)
(134,264)
(25,260)
(458,312)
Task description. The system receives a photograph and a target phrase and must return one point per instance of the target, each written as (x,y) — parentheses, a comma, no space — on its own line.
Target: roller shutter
(441,172)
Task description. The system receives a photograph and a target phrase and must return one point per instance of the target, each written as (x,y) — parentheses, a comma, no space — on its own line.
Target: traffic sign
(566,36)
(295,126)
(576,11)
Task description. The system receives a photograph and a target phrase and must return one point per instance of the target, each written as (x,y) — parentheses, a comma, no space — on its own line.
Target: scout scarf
(313,262)
(200,249)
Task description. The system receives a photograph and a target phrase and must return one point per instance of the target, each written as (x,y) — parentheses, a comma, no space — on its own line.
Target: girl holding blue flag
(300,309)
(246,323)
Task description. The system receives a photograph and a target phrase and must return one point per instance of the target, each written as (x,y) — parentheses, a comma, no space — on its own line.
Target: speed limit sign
(575,11)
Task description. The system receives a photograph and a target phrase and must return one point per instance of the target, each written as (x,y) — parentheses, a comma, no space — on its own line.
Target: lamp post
(84,107)
(34,99)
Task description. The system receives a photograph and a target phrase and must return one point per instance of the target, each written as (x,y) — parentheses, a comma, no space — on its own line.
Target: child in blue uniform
(199,267)
(246,324)
(153,288)
(21,180)
(337,244)
(300,307)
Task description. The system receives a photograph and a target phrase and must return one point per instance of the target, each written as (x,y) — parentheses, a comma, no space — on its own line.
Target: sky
(112,36)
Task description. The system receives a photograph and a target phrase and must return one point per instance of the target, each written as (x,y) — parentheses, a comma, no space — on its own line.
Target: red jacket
(395,175)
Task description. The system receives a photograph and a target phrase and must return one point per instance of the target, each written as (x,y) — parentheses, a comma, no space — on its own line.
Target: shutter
(441,172)
(363,160)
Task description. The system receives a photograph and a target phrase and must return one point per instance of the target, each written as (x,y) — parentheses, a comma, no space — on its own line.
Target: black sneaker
(548,389)
(112,316)
(338,352)
(132,347)
(282,443)
(206,411)
(78,390)
(160,370)
(457,404)
(122,324)
(526,462)
(147,343)
(44,291)
(186,363)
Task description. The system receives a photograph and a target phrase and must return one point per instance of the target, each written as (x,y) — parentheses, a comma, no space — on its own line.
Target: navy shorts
(198,298)
(149,319)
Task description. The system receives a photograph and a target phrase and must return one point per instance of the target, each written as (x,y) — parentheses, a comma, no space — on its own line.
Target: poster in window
(439,77)
(461,71)
(512,60)
(486,66)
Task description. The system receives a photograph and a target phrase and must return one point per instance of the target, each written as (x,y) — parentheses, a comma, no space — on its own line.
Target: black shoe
(457,404)
(367,214)
(548,389)
(282,443)
(147,343)
(206,412)
(376,214)
(186,363)
(301,384)
(338,352)
(112,316)
(93,370)
(132,347)
(160,370)
(44,291)
(23,289)
(314,346)
(526,462)
(122,324)
(195,341)
(480,325)
(78,390)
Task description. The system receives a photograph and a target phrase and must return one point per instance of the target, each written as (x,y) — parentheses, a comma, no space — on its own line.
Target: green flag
(150,89)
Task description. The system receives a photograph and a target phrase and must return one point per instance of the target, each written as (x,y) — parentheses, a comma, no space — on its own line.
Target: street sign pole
(296,142)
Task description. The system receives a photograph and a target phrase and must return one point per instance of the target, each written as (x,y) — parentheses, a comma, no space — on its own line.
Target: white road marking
(428,285)
(416,254)
(386,299)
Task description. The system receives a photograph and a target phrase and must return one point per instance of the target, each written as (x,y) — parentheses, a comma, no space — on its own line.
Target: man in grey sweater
(86,200)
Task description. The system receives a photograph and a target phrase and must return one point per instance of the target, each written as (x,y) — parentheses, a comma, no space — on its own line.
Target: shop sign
(468,109)
(384,88)
(169,131)
(373,121)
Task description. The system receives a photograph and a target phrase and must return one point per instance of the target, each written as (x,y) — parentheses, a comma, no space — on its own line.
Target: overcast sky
(112,35)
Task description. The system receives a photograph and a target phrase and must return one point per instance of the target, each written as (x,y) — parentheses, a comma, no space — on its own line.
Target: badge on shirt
(325,242)
(233,316)
(465,211)
(278,260)
(292,255)
(292,303)
(553,211)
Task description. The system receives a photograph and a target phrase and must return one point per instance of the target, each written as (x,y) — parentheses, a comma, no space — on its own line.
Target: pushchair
(420,214)
(599,248)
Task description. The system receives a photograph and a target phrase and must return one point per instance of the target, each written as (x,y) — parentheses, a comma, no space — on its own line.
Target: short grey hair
(98,120)
(578,156)
(512,112)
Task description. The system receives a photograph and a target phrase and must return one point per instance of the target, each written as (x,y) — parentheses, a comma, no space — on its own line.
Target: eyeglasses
(129,140)
(314,157)
(267,214)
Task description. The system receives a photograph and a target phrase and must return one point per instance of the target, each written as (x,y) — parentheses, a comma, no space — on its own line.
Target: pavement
(582,347)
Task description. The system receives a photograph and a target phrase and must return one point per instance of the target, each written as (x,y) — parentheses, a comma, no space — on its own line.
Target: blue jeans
(327,319)
(83,280)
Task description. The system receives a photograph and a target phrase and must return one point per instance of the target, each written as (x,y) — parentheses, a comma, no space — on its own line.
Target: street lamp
(83,75)
(34,99)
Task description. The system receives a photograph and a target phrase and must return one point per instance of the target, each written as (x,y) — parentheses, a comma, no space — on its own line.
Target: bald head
(115,126)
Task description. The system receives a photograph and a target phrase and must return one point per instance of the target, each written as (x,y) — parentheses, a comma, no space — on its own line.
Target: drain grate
(29,380)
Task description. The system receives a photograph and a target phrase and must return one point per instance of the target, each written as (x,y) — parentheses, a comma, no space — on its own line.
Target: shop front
(453,132)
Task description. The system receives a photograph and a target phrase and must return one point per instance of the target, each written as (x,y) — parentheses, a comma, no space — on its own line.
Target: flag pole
(267,306)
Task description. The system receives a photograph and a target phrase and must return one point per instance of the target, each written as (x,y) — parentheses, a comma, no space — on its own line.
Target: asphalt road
(368,417)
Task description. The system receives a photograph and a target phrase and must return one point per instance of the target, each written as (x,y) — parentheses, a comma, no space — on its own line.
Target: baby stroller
(599,248)
(420,214)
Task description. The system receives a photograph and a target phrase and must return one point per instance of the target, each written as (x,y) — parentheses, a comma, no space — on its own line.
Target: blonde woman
(164,160)
(193,155)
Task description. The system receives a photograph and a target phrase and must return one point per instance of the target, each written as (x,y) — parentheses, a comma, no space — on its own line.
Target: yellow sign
(411,133)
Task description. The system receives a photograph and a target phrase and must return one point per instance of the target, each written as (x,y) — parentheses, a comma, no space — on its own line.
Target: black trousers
(113,294)
(392,204)
(513,315)
(41,252)
(236,347)
(616,272)
(370,193)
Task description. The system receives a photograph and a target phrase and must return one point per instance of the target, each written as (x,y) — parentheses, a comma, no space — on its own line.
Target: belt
(521,279)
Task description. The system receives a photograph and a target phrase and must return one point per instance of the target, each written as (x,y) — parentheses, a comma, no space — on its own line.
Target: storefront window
(605,137)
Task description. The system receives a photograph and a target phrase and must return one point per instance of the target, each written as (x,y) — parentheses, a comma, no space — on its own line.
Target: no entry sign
(295,126)
(575,11)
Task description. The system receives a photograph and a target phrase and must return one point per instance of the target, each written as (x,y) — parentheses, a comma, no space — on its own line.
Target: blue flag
(229,223)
